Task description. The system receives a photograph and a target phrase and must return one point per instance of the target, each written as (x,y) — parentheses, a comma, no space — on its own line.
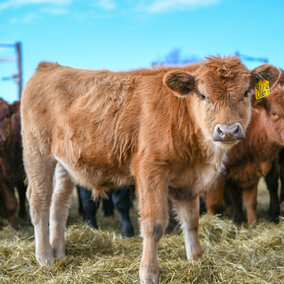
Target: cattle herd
(169,135)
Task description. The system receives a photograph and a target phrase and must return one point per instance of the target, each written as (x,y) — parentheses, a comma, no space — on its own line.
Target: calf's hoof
(195,254)
(94,225)
(274,219)
(58,253)
(58,247)
(253,224)
(127,231)
(44,261)
(12,222)
(149,274)
(15,227)
(149,279)
(108,214)
(44,255)
(274,215)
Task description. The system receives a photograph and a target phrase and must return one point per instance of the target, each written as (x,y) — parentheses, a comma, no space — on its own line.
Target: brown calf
(11,162)
(276,172)
(251,158)
(166,129)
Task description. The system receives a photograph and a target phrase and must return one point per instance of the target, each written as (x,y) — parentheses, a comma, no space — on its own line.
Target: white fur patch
(75,176)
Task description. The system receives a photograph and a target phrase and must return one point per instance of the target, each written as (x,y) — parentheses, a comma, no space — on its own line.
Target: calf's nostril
(219,131)
(237,130)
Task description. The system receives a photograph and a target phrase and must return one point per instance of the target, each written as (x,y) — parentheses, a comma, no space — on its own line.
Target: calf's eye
(246,94)
(203,97)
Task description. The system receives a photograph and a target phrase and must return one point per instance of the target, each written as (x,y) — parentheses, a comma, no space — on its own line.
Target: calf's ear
(181,83)
(15,106)
(259,104)
(267,72)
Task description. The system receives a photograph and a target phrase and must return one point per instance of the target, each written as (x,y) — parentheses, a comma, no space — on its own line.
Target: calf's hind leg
(121,200)
(60,204)
(10,204)
(272,185)
(215,197)
(282,183)
(89,206)
(40,175)
(22,200)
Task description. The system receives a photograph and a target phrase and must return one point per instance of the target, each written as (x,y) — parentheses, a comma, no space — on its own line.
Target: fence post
(20,74)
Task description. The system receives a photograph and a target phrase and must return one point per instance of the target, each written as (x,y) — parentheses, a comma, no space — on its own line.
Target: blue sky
(129,34)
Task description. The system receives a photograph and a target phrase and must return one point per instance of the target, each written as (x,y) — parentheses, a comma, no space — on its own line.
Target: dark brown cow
(252,158)
(11,162)
(272,182)
(166,129)
(281,174)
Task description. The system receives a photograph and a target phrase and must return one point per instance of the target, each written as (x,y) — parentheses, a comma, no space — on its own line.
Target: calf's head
(218,92)
(271,110)
(6,111)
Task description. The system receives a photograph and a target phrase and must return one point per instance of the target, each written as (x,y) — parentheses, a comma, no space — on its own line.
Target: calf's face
(272,110)
(219,94)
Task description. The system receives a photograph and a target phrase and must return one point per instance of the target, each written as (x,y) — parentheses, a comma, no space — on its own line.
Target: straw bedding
(232,254)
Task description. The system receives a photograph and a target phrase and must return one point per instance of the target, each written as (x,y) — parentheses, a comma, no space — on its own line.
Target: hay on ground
(232,254)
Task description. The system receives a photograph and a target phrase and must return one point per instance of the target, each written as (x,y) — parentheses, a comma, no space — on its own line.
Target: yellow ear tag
(262,89)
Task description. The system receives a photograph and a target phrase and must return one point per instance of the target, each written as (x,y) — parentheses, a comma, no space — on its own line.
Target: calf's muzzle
(228,133)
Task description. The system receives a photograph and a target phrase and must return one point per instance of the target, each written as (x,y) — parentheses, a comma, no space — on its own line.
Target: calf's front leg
(153,208)
(250,202)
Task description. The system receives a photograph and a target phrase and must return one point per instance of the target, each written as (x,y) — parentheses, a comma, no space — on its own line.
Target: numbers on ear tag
(262,89)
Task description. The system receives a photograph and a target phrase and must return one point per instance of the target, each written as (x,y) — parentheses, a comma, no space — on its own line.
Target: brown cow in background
(168,130)
(12,172)
(252,158)
(272,178)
